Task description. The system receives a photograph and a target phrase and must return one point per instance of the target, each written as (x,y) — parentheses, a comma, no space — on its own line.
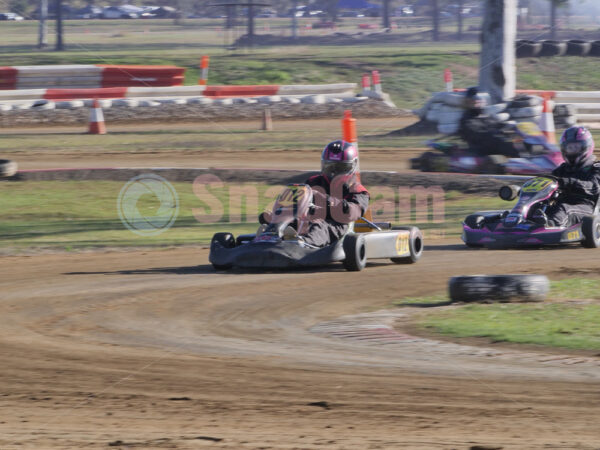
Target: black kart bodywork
(270,248)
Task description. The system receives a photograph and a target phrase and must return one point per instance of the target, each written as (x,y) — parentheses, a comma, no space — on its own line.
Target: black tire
(590,227)
(564,110)
(415,245)
(553,48)
(528,49)
(524,101)
(475,221)
(356,252)
(225,240)
(595,49)
(426,161)
(498,288)
(8,168)
(577,47)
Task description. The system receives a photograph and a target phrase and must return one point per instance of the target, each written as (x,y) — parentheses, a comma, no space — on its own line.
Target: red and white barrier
(89,76)
(338,90)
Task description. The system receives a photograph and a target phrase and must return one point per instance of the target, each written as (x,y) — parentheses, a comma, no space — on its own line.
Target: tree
(554,5)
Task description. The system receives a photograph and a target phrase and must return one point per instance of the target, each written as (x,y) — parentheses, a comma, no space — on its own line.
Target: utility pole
(294,19)
(459,17)
(59,29)
(497,71)
(386,14)
(43,25)
(435,12)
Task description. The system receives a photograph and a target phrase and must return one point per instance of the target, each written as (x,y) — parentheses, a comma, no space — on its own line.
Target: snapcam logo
(148,205)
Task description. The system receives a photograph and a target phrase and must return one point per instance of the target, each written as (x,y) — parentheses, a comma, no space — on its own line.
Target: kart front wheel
(225,240)
(356,252)
(590,227)
(475,221)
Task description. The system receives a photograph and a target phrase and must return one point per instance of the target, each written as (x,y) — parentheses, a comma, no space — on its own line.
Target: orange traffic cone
(547,122)
(97,125)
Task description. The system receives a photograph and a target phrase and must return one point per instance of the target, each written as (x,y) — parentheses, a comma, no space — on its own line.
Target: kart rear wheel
(356,252)
(225,240)
(590,227)
(415,243)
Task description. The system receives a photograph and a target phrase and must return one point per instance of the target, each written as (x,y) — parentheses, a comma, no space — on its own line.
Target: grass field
(83,214)
(410,71)
(555,323)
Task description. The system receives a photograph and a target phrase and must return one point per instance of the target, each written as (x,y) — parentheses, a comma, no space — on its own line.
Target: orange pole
(349,127)
(349,134)
(204,62)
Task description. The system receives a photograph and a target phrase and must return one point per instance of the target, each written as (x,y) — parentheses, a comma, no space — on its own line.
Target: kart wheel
(498,288)
(590,227)
(7,168)
(225,240)
(356,252)
(475,221)
(415,244)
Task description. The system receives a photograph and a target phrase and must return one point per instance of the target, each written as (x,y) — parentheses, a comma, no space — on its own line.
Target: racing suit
(342,203)
(484,135)
(581,187)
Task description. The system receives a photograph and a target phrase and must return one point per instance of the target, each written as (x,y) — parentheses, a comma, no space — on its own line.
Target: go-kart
(536,155)
(279,244)
(525,224)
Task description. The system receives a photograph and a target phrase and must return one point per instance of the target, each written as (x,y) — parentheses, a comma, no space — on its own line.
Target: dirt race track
(153,349)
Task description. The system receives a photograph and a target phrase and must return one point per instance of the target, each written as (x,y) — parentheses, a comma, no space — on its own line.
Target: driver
(578,177)
(338,194)
(483,134)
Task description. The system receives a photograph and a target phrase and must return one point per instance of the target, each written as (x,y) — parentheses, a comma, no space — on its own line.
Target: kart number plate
(573,235)
(292,195)
(529,128)
(536,185)
(402,244)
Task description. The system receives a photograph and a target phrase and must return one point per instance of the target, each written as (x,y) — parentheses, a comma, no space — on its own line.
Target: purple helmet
(577,146)
(339,158)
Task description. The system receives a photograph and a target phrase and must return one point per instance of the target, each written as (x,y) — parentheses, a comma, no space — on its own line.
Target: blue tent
(355,4)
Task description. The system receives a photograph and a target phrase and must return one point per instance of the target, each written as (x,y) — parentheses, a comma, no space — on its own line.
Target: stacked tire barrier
(574,47)
(88,76)
(525,108)
(445,109)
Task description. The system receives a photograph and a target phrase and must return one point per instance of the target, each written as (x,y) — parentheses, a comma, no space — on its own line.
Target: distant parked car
(323,24)
(10,16)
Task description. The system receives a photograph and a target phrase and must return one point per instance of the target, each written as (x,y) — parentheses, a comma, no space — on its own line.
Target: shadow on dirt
(184,270)
(209,269)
